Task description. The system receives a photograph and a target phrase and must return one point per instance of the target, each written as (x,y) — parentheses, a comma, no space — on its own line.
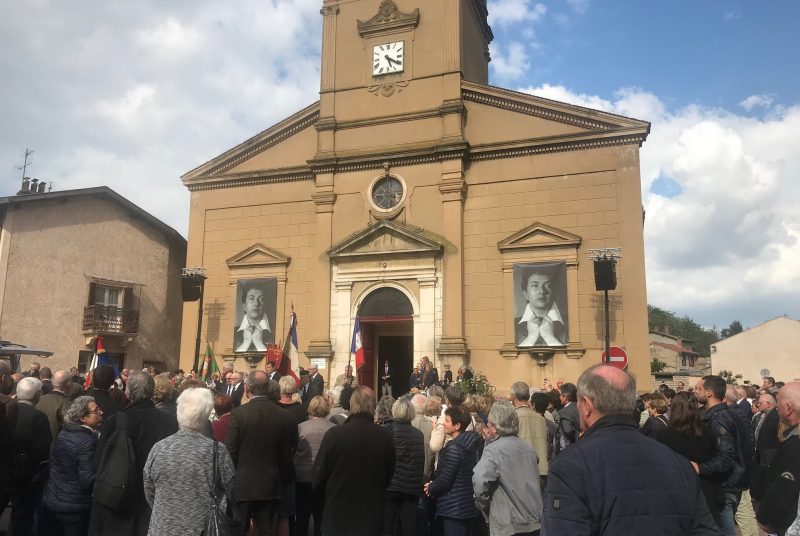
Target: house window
(158,366)
(85,359)
(108,296)
(683,360)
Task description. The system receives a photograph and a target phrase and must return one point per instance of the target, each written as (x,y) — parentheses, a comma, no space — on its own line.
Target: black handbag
(219,522)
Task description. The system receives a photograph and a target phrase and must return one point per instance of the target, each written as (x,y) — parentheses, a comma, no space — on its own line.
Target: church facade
(454,218)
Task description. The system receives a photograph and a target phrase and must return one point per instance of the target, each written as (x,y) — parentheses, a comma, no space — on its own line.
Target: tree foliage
(656,365)
(685,328)
(733,329)
(729,377)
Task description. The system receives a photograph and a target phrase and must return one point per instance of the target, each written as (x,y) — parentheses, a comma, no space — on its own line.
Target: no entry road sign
(617,358)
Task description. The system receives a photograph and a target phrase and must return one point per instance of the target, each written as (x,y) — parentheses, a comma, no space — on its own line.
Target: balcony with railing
(109,320)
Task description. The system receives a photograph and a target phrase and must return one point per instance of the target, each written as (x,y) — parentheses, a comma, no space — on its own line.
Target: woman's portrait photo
(541,304)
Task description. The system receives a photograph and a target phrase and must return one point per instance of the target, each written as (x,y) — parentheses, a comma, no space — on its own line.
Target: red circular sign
(617,359)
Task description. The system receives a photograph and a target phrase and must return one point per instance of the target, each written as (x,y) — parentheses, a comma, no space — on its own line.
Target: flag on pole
(100,357)
(356,347)
(289,361)
(209,364)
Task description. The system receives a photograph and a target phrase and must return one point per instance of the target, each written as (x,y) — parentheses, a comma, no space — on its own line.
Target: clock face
(387,192)
(387,58)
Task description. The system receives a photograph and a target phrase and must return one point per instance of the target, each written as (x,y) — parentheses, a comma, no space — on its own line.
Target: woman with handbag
(188,477)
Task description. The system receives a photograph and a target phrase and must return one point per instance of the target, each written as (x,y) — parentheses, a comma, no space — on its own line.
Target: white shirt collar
(553,314)
(263,324)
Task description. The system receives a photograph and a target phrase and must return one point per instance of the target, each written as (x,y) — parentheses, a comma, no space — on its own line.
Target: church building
(454,218)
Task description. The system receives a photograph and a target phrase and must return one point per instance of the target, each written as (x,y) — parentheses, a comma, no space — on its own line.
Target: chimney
(42,186)
(26,186)
(666,330)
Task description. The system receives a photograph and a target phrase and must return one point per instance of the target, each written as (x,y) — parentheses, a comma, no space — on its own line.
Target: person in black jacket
(686,435)
(452,480)
(614,480)
(402,494)
(779,489)
(102,380)
(146,426)
(657,421)
(67,500)
(352,469)
(730,464)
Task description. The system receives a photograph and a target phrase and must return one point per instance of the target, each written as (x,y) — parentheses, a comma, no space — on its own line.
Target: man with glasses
(234,388)
(765,426)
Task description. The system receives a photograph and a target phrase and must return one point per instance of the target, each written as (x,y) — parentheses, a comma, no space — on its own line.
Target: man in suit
(272,372)
(102,380)
(541,323)
(52,403)
(570,422)
(386,379)
(235,388)
(316,384)
(346,379)
(258,441)
(447,377)
(31,444)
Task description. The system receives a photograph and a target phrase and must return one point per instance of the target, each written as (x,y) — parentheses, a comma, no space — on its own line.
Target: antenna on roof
(24,167)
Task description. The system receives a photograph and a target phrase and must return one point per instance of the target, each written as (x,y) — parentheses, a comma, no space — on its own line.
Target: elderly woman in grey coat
(178,475)
(506,479)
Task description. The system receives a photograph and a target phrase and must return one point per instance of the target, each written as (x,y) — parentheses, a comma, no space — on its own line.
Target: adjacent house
(76,264)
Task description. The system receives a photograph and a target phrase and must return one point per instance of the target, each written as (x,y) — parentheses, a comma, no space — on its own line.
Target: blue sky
(133,95)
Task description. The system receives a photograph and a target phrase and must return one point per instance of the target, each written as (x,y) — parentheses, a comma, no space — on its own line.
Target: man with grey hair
(258,440)
(532,426)
(146,425)
(54,402)
(505,479)
(615,480)
(31,441)
(779,489)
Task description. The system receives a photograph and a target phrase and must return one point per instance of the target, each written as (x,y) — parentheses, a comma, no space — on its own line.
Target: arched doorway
(387,333)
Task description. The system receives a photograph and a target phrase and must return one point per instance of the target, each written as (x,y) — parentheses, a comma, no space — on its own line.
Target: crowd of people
(145,453)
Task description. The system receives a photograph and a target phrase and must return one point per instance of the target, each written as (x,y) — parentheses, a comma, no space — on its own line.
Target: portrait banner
(256,301)
(540,298)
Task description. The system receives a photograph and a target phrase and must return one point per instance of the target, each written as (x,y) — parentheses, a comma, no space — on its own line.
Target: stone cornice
(561,144)
(549,109)
(448,107)
(252,179)
(388,19)
(481,14)
(402,156)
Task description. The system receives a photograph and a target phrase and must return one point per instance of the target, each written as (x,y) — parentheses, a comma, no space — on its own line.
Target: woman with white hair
(178,476)
(67,499)
(506,479)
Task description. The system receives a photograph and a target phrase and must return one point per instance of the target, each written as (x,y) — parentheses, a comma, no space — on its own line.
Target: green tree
(733,329)
(729,377)
(656,366)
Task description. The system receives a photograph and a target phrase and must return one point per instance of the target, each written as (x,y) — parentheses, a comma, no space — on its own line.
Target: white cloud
(126,107)
(756,101)
(170,35)
(509,63)
(507,12)
(579,6)
(730,241)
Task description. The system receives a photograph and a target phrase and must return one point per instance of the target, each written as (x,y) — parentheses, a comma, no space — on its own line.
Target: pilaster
(319,345)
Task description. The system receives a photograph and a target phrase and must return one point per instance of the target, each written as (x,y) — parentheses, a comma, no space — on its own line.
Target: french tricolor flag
(356,347)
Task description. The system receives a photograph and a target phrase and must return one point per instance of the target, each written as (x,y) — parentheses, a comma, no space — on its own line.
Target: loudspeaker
(605,274)
(191,287)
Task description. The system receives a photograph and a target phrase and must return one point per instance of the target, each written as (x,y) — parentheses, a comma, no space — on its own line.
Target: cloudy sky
(134,94)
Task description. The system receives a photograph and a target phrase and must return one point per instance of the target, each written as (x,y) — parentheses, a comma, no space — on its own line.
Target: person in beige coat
(532,427)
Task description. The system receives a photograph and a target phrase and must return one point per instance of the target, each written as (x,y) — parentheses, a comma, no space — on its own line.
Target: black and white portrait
(255,314)
(541,304)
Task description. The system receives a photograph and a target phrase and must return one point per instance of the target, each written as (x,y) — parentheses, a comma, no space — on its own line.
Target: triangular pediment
(265,152)
(385,238)
(532,124)
(257,256)
(537,236)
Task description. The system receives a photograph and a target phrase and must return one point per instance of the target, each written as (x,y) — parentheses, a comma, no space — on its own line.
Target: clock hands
(390,60)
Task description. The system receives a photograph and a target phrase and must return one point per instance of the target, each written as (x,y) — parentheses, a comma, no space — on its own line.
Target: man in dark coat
(102,380)
(779,489)
(234,388)
(316,384)
(31,443)
(52,404)
(146,426)
(569,423)
(614,480)
(354,466)
(258,441)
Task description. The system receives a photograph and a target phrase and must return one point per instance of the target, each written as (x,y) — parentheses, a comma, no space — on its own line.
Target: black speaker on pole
(191,287)
(605,274)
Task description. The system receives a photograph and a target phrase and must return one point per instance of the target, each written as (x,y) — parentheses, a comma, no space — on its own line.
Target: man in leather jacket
(732,462)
